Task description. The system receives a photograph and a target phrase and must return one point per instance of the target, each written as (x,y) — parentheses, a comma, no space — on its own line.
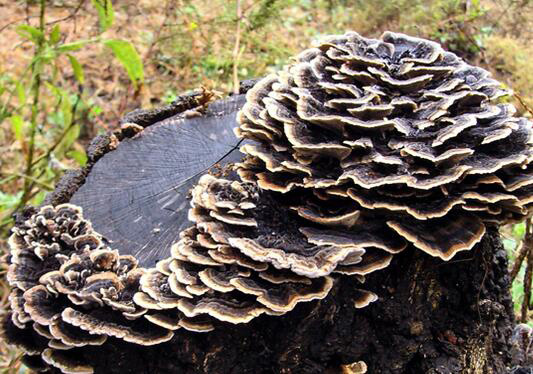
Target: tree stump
(431,317)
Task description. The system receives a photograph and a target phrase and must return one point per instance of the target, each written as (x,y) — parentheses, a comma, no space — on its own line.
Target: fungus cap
(401,130)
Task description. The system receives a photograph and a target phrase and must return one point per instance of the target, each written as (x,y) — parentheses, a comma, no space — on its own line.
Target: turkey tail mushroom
(403,132)
(246,256)
(70,289)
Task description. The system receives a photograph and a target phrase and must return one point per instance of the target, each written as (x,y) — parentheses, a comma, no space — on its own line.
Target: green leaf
(106,15)
(95,111)
(29,32)
(517,291)
(71,136)
(63,116)
(56,91)
(68,140)
(47,54)
(76,68)
(9,201)
(74,46)
(79,155)
(17,126)
(4,113)
(21,93)
(55,34)
(126,53)
(66,108)
(519,230)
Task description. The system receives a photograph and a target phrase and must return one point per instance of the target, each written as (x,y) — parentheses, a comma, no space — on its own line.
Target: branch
(34,109)
(236,50)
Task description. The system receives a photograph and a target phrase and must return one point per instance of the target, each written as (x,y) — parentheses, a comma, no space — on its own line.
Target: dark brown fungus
(165,321)
(82,292)
(138,332)
(364,298)
(57,263)
(65,362)
(239,260)
(404,132)
(26,338)
(71,336)
(374,259)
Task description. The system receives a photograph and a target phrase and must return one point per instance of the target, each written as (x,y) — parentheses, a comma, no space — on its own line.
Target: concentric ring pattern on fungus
(396,128)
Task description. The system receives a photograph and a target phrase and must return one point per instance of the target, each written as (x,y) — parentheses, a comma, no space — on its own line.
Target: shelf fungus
(243,256)
(246,255)
(401,131)
(70,290)
(356,150)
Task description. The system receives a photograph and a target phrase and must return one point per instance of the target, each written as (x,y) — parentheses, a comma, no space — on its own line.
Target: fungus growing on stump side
(397,129)
(69,289)
(244,257)
(356,150)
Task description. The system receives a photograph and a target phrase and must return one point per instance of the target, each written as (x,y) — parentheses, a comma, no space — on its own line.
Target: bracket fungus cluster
(356,150)
(244,257)
(69,289)
(398,129)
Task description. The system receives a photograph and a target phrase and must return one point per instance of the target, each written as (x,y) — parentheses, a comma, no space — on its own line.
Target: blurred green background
(69,69)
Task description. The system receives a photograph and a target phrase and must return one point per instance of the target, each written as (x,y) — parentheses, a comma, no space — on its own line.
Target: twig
(27,11)
(473,42)
(63,134)
(206,22)
(7,179)
(523,103)
(528,276)
(217,17)
(158,32)
(517,264)
(51,149)
(71,15)
(34,108)
(12,92)
(35,181)
(501,15)
(524,247)
(13,23)
(236,50)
